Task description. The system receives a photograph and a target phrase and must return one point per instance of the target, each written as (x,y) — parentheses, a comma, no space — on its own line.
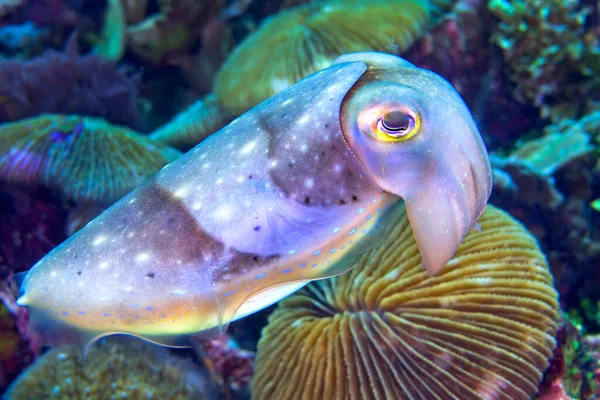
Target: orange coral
(483,328)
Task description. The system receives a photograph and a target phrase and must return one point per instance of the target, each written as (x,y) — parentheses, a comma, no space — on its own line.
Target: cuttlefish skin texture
(278,198)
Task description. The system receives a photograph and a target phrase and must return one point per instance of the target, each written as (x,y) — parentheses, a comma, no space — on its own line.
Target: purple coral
(231,367)
(32,223)
(46,13)
(69,83)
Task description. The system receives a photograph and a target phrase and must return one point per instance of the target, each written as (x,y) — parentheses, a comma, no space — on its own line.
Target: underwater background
(105,93)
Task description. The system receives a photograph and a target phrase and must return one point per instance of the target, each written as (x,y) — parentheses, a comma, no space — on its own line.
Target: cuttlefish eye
(396,125)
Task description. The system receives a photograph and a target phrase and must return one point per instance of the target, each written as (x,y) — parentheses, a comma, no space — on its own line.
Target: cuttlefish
(292,191)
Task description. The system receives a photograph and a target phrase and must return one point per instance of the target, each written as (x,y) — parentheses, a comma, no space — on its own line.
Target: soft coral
(69,83)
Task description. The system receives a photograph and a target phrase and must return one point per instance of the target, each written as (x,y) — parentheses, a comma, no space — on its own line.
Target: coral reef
(552,54)
(550,184)
(589,124)
(230,367)
(187,129)
(15,354)
(513,61)
(526,175)
(552,151)
(574,371)
(32,222)
(9,346)
(484,327)
(135,10)
(176,28)
(297,42)
(114,368)
(22,41)
(111,42)
(71,84)
(305,39)
(8,6)
(86,159)
(458,48)
(40,12)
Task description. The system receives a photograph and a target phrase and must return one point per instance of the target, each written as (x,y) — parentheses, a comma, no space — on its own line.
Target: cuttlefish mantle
(292,191)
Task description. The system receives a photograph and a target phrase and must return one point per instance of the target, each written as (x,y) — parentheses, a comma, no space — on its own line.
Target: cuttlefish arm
(292,191)
(417,138)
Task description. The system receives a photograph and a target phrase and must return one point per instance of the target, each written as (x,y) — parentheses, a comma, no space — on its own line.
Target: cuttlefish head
(417,139)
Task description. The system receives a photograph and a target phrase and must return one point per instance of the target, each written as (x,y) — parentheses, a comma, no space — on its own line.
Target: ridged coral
(301,40)
(113,369)
(483,328)
(292,45)
(86,159)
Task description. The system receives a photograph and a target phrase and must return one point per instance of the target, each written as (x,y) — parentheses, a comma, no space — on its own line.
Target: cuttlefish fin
(49,330)
(377,235)
(265,297)
(342,252)
(178,340)
(54,332)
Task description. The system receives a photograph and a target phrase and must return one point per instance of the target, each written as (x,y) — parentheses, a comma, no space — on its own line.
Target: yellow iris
(397,136)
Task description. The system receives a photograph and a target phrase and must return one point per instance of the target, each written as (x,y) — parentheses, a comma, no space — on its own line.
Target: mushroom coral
(483,328)
(305,39)
(299,41)
(86,159)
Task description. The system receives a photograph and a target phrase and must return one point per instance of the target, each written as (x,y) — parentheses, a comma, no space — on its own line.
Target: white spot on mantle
(248,147)
(99,240)
(142,257)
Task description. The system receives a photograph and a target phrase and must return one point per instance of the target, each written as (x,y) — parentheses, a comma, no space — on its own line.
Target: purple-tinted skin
(443,172)
(292,191)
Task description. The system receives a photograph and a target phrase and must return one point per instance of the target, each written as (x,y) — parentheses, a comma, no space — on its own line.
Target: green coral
(111,43)
(115,368)
(580,358)
(552,55)
(588,124)
(552,151)
(86,159)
